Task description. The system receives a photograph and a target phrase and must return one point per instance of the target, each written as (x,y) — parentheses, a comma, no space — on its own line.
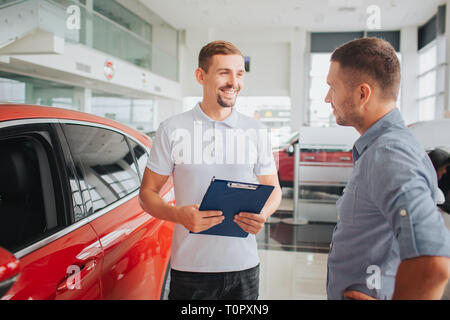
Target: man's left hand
(356,295)
(250,222)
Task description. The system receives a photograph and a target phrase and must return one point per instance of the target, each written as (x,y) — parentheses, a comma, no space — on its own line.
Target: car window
(141,156)
(104,162)
(29,208)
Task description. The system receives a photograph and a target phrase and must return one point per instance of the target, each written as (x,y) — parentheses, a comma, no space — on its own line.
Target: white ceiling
(313,15)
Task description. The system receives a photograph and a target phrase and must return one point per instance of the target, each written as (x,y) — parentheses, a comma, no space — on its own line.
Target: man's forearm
(422,278)
(152,203)
(272,203)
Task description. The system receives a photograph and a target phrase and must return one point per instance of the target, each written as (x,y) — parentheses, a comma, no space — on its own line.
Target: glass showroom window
(428,91)
(136,113)
(16,88)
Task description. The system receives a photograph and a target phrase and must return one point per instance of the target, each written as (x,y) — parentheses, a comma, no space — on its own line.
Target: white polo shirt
(195,148)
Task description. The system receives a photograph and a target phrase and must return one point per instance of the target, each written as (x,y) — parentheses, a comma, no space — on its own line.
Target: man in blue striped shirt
(390,241)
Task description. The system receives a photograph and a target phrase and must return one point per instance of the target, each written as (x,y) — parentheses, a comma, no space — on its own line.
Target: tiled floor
(293,258)
(292,275)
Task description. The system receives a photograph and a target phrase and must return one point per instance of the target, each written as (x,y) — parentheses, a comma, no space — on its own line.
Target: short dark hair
(372,57)
(214,48)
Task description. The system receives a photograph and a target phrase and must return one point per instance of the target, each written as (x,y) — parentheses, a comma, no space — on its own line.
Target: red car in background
(327,158)
(71,226)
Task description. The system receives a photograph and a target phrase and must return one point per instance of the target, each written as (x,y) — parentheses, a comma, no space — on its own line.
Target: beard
(347,115)
(224,104)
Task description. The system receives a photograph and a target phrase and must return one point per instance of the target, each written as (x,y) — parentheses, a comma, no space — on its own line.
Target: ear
(364,93)
(200,75)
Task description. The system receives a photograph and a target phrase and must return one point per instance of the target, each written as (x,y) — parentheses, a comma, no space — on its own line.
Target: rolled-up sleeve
(402,189)
(160,160)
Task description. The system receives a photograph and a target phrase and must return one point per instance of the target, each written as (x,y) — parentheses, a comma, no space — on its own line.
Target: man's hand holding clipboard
(241,205)
(197,221)
(250,222)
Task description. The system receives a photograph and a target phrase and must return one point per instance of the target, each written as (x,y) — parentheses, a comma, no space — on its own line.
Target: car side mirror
(9,271)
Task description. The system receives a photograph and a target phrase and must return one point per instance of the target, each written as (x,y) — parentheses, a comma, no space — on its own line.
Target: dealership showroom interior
(224,149)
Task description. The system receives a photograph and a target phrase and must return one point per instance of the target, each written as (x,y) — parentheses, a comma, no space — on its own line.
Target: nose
(328,96)
(233,81)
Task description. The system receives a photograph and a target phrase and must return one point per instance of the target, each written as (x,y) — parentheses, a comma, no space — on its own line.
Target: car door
(39,198)
(136,245)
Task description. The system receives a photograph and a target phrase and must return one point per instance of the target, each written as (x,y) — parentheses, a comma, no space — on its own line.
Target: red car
(71,226)
(329,163)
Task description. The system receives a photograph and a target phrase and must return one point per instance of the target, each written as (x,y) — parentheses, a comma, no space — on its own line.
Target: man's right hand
(197,221)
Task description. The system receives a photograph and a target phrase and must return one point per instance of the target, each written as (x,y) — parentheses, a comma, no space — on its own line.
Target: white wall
(269,68)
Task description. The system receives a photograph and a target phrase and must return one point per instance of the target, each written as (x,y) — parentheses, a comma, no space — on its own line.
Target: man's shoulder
(399,148)
(401,140)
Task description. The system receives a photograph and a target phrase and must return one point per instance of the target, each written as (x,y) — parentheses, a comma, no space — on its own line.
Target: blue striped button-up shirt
(387,213)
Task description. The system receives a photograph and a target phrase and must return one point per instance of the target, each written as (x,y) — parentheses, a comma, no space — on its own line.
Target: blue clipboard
(232,197)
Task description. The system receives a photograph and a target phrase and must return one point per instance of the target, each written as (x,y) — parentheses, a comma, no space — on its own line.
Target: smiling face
(224,80)
(341,97)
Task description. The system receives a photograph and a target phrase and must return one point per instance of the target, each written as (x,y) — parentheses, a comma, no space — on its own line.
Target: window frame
(33,130)
(435,69)
(129,140)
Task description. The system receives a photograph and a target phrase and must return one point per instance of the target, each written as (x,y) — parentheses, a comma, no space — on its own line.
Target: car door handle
(345,158)
(76,274)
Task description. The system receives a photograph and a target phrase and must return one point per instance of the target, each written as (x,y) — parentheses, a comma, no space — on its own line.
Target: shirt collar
(230,121)
(389,120)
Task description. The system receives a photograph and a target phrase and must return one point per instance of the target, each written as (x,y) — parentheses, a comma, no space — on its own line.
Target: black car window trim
(136,164)
(71,166)
(44,141)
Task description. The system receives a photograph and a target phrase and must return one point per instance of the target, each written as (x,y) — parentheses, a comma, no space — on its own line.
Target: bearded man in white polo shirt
(211,140)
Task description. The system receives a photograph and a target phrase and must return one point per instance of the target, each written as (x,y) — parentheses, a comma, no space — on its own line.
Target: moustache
(229,87)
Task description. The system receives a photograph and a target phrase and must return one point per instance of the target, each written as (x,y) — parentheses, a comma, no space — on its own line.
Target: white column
(89,27)
(29,93)
(410,70)
(298,76)
(82,99)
